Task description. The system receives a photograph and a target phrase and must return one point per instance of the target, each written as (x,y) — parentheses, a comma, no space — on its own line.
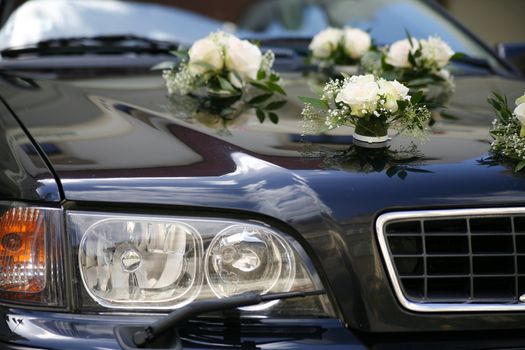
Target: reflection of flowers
(213,113)
(371,105)
(419,64)
(508,131)
(340,46)
(225,76)
(398,162)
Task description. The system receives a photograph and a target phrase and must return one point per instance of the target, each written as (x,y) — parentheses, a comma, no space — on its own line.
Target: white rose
(205,55)
(361,94)
(397,55)
(519,112)
(436,51)
(392,91)
(356,42)
(243,58)
(325,42)
(520,100)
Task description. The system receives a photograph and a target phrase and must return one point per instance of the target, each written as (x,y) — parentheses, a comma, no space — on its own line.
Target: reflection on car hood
(120,139)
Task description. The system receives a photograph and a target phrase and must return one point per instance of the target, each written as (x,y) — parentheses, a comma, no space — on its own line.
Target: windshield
(184,21)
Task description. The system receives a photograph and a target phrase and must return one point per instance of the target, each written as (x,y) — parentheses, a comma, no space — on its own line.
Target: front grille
(456,260)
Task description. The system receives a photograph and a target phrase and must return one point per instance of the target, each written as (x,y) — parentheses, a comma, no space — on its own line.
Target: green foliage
(316,102)
(508,144)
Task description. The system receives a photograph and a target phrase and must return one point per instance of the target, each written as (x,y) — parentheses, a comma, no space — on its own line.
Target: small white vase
(370,141)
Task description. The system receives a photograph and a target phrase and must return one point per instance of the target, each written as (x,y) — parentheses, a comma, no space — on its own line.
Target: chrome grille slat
(455,260)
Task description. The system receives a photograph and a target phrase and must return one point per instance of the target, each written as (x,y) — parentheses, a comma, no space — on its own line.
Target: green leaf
(275,105)
(260,98)
(417,97)
(260,86)
(501,98)
(316,89)
(225,84)
(164,65)
(261,74)
(276,88)
(409,37)
(274,118)
(494,103)
(519,166)
(412,59)
(181,53)
(402,104)
(420,82)
(274,77)
(260,115)
(457,55)
(204,64)
(318,103)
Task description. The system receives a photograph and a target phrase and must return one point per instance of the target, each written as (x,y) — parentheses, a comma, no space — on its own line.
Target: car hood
(120,138)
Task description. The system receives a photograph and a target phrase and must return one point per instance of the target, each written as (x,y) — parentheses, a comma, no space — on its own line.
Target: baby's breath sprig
(508,131)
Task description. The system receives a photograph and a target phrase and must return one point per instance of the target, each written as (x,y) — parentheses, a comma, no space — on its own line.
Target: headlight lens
(146,262)
(129,262)
(248,258)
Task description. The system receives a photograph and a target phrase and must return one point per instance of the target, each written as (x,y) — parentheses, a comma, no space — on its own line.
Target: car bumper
(23,329)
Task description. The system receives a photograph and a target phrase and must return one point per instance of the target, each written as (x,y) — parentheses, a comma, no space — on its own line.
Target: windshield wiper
(105,44)
(476,62)
(138,337)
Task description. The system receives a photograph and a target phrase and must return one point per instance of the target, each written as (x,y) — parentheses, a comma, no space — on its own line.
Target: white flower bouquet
(224,76)
(419,64)
(370,105)
(508,131)
(342,47)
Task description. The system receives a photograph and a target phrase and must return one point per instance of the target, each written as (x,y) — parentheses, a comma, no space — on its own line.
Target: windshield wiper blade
(104,44)
(299,45)
(474,62)
(144,335)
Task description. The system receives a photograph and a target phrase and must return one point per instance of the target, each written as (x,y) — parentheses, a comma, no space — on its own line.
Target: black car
(125,226)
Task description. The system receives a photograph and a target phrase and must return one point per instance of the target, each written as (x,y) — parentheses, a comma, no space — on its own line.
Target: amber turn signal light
(22,251)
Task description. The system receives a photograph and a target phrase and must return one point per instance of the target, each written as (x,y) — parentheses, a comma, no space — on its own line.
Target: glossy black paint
(116,145)
(23,173)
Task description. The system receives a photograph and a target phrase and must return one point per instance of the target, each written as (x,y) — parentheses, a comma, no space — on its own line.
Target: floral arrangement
(369,104)
(339,46)
(419,64)
(221,77)
(508,131)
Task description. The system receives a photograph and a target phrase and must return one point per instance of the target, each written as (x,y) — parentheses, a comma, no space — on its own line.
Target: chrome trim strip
(383,219)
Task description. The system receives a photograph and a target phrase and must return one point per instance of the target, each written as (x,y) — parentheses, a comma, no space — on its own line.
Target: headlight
(145,262)
(249,258)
